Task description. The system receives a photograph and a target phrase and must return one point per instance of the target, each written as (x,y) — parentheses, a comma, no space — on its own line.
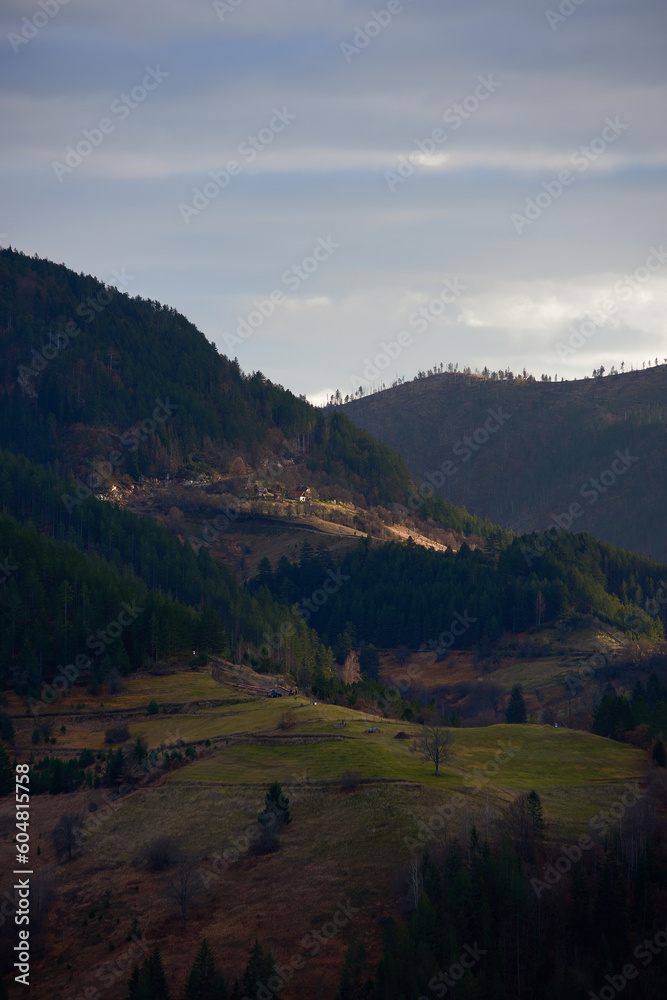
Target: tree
(434,744)
(182,887)
(276,812)
(516,707)
(260,968)
(369,660)
(67,834)
(520,826)
(204,982)
(350,984)
(658,756)
(415,880)
(536,813)
(149,982)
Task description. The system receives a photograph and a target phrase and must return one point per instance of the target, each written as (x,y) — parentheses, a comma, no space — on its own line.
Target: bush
(161,854)
(288,720)
(117,734)
(152,707)
(268,842)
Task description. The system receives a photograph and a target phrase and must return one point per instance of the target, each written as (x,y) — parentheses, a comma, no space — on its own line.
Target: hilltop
(522,452)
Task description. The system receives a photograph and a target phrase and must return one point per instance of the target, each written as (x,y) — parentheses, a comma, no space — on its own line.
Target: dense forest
(495,920)
(69,575)
(496,924)
(396,594)
(90,375)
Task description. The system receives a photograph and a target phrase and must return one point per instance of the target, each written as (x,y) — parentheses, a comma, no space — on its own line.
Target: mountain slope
(91,378)
(523,452)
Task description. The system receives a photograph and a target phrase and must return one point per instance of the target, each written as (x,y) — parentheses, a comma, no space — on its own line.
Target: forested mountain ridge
(551,445)
(69,574)
(90,376)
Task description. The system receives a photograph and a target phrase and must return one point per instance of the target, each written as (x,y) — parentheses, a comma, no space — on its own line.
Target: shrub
(288,720)
(268,842)
(117,734)
(153,707)
(160,854)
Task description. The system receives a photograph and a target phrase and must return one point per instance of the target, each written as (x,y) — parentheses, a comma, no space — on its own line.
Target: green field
(573,772)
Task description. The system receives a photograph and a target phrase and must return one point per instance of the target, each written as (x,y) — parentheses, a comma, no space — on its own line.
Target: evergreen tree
(204,982)
(536,813)
(276,812)
(261,967)
(516,708)
(149,981)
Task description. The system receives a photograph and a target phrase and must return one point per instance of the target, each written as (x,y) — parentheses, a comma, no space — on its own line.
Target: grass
(575,772)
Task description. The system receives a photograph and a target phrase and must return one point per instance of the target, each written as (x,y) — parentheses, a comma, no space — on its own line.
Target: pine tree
(261,967)
(204,982)
(159,988)
(536,813)
(276,808)
(516,708)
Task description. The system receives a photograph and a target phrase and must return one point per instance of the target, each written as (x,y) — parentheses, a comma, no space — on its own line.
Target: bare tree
(434,744)
(67,835)
(182,887)
(415,880)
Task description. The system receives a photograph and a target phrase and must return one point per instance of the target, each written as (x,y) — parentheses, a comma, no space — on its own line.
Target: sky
(340,194)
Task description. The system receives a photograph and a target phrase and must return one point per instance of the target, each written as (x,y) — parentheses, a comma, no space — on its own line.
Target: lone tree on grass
(272,819)
(434,744)
(67,835)
(182,887)
(536,813)
(516,707)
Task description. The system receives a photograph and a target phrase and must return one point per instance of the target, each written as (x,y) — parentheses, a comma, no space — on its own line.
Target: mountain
(194,565)
(588,454)
(95,382)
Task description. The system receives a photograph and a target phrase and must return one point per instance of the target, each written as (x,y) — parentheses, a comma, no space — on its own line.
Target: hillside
(550,445)
(165,575)
(361,803)
(99,384)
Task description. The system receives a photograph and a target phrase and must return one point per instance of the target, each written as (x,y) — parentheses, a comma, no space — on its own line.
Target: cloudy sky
(435,180)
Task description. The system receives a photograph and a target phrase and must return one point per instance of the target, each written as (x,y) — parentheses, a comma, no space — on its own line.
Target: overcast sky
(499,165)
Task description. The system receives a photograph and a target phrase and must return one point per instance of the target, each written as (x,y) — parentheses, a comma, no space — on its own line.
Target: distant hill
(523,452)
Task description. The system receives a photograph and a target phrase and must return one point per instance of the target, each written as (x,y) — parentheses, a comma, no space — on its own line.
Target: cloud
(325,173)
